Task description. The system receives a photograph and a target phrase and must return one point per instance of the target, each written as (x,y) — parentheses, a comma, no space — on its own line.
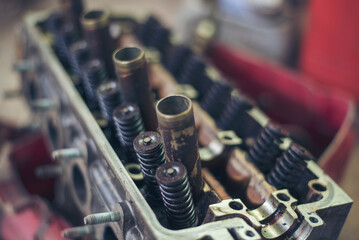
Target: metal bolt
(49,171)
(76,232)
(13,93)
(66,153)
(23,66)
(43,104)
(105,217)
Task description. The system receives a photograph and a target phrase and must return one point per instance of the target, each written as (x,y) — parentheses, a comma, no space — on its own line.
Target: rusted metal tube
(72,10)
(130,64)
(95,24)
(177,127)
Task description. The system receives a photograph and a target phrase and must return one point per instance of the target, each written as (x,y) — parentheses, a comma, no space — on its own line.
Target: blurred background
(314,41)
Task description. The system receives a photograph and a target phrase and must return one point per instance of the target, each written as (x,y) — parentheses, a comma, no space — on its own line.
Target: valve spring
(94,74)
(176,195)
(53,23)
(129,124)
(193,71)
(79,54)
(109,97)
(235,108)
(159,39)
(150,154)
(176,61)
(216,99)
(289,168)
(147,29)
(61,43)
(266,149)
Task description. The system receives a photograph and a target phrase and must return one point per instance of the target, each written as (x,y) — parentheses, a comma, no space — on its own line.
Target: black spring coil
(216,99)
(176,61)
(147,29)
(233,111)
(150,154)
(53,23)
(79,54)
(266,149)
(94,74)
(62,40)
(128,121)
(160,39)
(289,168)
(176,195)
(109,97)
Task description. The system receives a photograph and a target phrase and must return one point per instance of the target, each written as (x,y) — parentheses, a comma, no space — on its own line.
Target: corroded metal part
(131,69)
(96,31)
(177,127)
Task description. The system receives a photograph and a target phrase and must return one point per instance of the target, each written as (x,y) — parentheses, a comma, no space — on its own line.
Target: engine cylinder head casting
(131,69)
(177,127)
(176,194)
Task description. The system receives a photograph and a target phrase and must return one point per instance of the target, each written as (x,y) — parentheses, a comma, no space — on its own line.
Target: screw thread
(105,217)
(76,232)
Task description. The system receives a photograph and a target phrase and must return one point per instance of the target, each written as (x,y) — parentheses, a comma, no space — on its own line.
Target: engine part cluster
(162,145)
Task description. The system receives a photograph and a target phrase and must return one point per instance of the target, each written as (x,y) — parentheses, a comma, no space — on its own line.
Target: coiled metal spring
(216,99)
(79,54)
(237,105)
(177,59)
(129,124)
(94,74)
(266,149)
(109,97)
(149,149)
(176,195)
(289,168)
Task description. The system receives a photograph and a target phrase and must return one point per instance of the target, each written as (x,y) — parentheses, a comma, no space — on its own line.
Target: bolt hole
(236,205)
(109,234)
(249,233)
(313,220)
(53,134)
(79,183)
(93,15)
(134,170)
(227,137)
(319,187)
(283,197)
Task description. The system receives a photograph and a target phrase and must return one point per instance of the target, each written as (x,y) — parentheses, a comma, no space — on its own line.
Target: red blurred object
(330,48)
(327,116)
(25,216)
(28,152)
(32,223)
